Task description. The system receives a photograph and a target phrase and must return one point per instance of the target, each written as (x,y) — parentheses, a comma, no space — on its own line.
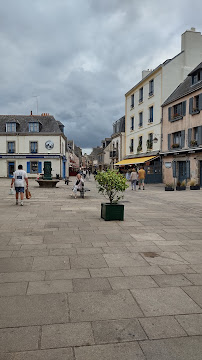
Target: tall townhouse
(117,148)
(31,141)
(143,112)
(182,131)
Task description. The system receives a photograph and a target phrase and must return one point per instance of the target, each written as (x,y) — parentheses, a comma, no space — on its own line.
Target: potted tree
(194,185)
(111,184)
(181,185)
(169,187)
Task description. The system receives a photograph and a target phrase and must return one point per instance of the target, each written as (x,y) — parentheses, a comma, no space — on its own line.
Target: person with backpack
(19,179)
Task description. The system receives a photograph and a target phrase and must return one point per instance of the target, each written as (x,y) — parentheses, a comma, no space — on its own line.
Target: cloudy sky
(81,56)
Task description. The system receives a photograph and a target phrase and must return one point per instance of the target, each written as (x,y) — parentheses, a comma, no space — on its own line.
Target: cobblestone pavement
(74,287)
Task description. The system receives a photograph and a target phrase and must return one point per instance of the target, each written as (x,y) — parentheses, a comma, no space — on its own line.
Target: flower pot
(112,211)
(180,188)
(195,187)
(168,188)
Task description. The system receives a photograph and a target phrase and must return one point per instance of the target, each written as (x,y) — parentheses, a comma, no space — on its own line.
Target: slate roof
(185,88)
(48,124)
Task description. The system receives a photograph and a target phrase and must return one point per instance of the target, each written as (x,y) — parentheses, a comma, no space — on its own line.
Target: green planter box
(112,211)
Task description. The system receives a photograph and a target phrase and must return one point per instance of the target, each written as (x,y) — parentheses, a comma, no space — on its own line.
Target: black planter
(112,211)
(168,188)
(180,188)
(195,187)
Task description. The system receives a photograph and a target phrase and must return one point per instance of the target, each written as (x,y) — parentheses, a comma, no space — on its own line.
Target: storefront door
(182,171)
(11,169)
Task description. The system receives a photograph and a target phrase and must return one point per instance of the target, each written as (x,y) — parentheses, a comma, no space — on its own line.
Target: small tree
(110,184)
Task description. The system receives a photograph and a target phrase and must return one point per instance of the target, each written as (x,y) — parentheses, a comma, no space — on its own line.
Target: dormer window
(196,77)
(11,127)
(33,127)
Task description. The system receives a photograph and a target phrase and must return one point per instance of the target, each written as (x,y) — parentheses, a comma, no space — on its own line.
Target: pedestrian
(133,179)
(89,173)
(19,179)
(141,177)
(84,173)
(79,184)
(127,175)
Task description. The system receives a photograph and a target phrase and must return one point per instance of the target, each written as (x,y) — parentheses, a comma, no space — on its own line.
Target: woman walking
(133,179)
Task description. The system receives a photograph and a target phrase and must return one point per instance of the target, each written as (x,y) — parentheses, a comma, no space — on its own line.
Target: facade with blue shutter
(182,131)
(30,141)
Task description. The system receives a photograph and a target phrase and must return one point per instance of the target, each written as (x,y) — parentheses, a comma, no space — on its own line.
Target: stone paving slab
(49,287)
(116,331)
(12,289)
(64,335)
(125,351)
(103,305)
(33,310)
(19,339)
(162,327)
(21,276)
(173,349)
(54,354)
(192,324)
(166,301)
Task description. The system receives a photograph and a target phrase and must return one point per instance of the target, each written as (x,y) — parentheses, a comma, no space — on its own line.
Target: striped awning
(139,160)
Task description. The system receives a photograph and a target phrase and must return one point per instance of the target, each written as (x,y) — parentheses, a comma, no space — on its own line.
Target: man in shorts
(19,178)
(141,177)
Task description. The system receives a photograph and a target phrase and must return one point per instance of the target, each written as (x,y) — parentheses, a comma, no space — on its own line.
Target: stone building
(182,130)
(30,141)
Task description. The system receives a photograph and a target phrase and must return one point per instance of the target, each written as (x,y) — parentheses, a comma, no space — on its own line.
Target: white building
(117,145)
(143,113)
(29,141)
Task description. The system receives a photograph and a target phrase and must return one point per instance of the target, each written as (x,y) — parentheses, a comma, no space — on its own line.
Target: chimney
(31,112)
(145,73)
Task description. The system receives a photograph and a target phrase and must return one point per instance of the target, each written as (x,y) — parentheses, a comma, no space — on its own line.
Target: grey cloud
(81,57)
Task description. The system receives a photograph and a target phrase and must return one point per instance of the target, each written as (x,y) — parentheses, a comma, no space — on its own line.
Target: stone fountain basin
(47,183)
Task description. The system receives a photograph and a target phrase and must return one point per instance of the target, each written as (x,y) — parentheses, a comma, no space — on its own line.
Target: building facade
(30,141)
(117,145)
(182,131)
(143,112)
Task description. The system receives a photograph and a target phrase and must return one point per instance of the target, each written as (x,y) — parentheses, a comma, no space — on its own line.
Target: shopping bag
(11,192)
(28,194)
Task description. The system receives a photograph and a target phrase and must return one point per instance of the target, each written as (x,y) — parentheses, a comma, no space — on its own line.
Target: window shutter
(182,138)
(169,141)
(191,105)
(189,136)
(174,169)
(200,101)
(200,135)
(28,167)
(184,105)
(169,113)
(188,169)
(39,167)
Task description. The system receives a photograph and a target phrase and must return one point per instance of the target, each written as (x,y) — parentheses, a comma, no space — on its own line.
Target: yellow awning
(139,160)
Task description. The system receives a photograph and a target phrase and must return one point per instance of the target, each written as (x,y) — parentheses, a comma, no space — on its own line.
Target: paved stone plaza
(74,287)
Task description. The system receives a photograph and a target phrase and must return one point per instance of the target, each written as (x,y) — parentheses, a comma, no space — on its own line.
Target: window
(177,140)
(11,127)
(196,77)
(33,147)
(151,111)
(11,147)
(151,87)
(150,141)
(177,111)
(196,134)
(131,145)
(132,101)
(33,127)
(140,119)
(34,167)
(196,103)
(139,148)
(132,123)
(141,95)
